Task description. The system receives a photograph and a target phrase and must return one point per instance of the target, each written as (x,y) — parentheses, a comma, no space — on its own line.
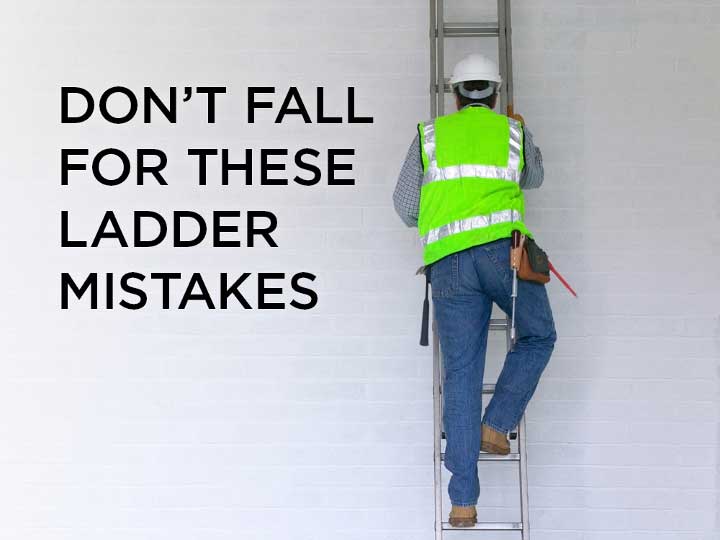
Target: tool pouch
(534,263)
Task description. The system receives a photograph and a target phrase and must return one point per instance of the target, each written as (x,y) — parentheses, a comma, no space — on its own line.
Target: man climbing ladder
(461,185)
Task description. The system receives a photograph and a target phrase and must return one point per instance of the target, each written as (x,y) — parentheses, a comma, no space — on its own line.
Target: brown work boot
(494,442)
(463,516)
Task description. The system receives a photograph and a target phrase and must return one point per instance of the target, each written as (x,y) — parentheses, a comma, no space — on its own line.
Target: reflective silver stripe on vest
(453,172)
(515,144)
(429,142)
(468,224)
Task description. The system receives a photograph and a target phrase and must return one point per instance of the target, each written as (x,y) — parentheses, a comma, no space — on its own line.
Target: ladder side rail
(440,89)
(502,53)
(522,464)
(507,101)
(433,58)
(509,88)
(438,429)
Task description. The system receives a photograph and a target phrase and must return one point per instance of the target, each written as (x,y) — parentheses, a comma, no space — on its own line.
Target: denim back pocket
(498,252)
(445,276)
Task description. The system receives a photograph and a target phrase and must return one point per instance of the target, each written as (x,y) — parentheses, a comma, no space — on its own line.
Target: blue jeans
(464,286)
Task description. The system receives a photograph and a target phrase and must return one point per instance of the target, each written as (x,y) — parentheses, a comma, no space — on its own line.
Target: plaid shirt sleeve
(406,197)
(533,174)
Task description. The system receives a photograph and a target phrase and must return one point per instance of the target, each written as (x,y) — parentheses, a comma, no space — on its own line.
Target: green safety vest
(470,194)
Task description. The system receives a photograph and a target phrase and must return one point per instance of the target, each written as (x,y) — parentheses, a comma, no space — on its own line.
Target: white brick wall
(312,426)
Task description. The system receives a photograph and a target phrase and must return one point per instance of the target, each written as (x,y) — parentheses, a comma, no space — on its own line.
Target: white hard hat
(476,67)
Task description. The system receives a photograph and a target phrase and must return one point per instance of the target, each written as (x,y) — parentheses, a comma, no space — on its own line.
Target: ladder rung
(513,456)
(498,324)
(485,526)
(446,88)
(487,389)
(481,29)
(512,436)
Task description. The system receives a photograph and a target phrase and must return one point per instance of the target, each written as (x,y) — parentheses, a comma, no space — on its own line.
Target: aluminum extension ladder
(439,31)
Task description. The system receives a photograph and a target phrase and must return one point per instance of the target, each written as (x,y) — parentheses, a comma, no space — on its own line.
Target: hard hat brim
(475,77)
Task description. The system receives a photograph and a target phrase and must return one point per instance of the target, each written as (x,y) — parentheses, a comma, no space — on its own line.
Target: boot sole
(494,449)
(462,522)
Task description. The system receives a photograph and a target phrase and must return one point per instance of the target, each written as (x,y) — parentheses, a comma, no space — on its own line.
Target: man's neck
(475,105)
